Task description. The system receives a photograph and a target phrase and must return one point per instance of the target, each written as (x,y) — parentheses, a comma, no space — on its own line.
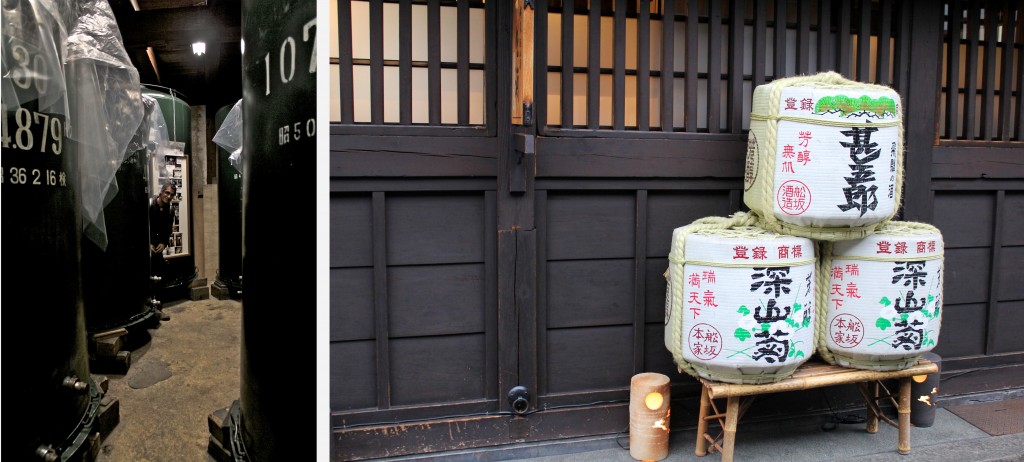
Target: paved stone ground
(188,369)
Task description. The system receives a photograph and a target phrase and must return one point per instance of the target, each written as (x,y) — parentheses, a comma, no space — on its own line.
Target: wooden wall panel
(963,330)
(589,358)
(590,225)
(436,300)
(656,356)
(966,275)
(437,369)
(955,211)
(589,293)
(352,314)
(1011,277)
(1008,330)
(1013,218)
(984,379)
(655,286)
(435,228)
(667,211)
(353,376)
(351,231)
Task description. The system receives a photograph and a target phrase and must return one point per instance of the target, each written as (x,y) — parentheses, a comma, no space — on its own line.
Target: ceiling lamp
(199,48)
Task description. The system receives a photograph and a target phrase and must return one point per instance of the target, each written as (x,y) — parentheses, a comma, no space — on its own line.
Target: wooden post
(732,415)
(522,57)
(904,412)
(702,422)
(872,416)
(649,395)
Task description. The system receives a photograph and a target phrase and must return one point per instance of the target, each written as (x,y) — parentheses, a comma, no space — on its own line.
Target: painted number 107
(286,57)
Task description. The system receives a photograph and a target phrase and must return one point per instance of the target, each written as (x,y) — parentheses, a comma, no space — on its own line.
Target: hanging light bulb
(199,48)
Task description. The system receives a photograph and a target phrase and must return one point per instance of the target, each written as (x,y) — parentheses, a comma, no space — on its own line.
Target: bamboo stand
(812,374)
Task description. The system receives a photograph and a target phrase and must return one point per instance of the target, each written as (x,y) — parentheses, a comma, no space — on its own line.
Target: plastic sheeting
(105,107)
(34,34)
(229,135)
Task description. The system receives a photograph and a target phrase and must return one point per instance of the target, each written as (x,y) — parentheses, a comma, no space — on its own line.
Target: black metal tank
(277,401)
(45,355)
(115,280)
(229,203)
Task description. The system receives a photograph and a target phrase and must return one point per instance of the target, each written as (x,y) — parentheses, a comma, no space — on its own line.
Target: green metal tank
(180,268)
(229,203)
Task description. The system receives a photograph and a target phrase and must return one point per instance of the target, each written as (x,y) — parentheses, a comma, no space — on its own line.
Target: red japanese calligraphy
(798,251)
(759,253)
(741,252)
(694,280)
(806,104)
(704,341)
(787,152)
(793,197)
(709,299)
(851,290)
(852,269)
(883,247)
(783,251)
(805,138)
(837,272)
(790,104)
(803,157)
(708,276)
(921,247)
(901,247)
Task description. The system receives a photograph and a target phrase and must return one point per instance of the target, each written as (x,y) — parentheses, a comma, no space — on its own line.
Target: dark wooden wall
(468,258)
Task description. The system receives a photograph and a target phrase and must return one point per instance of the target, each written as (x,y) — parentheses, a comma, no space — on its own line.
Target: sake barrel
(739,301)
(824,156)
(879,307)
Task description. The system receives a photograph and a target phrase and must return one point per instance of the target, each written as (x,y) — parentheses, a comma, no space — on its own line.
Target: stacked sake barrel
(823,175)
(879,307)
(740,300)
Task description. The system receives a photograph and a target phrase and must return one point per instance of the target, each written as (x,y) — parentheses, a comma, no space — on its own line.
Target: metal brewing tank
(279,219)
(42,246)
(229,203)
(181,269)
(115,280)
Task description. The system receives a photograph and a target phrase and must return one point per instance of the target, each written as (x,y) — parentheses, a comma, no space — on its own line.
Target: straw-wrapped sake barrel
(879,304)
(740,301)
(824,156)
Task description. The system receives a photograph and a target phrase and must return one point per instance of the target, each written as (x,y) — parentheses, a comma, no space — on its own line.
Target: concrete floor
(188,369)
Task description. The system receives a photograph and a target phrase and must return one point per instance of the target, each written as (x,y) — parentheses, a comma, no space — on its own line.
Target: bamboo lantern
(649,416)
(880,301)
(824,156)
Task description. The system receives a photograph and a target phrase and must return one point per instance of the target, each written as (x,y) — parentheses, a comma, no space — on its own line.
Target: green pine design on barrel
(846,106)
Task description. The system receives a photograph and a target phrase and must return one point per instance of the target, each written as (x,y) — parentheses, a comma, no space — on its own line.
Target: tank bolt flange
(47,453)
(73,383)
